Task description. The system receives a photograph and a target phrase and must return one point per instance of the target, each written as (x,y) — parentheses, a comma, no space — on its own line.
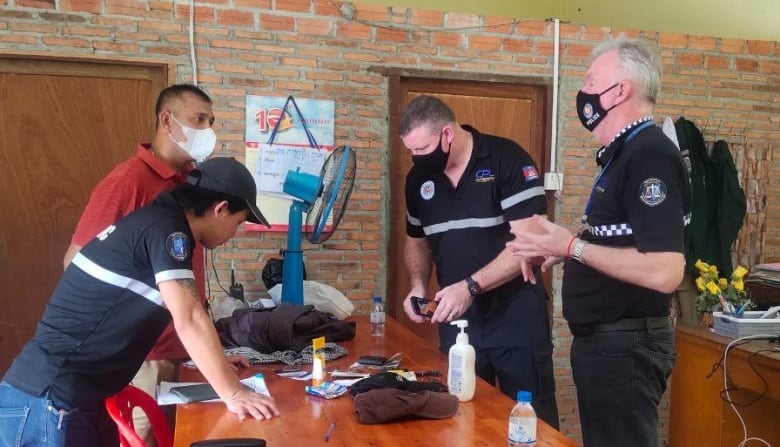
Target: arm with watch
(654,270)
(457,297)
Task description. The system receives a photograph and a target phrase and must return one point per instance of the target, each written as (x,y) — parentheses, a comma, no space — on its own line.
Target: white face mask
(199,143)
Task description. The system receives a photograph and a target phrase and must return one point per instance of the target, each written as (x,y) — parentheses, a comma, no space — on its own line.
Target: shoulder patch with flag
(529,172)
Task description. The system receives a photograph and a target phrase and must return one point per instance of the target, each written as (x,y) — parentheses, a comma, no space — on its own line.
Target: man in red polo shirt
(183,136)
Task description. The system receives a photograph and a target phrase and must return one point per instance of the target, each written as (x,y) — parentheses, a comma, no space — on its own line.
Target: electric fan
(324,199)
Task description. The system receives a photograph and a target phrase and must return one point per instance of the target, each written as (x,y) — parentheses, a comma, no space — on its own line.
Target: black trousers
(621,377)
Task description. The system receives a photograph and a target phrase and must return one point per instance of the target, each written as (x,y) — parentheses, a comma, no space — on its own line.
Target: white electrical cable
(554,133)
(192,44)
(745,438)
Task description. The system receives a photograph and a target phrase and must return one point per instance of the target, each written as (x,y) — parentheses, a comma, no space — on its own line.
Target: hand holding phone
(423,307)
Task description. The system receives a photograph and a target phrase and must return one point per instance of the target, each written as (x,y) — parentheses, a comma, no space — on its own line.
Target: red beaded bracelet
(568,249)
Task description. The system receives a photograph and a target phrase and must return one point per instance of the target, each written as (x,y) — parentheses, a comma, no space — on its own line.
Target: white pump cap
(463,337)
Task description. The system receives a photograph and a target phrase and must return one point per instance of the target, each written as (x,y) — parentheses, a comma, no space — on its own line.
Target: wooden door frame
(395,91)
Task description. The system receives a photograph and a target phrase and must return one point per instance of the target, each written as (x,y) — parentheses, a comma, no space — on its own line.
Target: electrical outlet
(553,181)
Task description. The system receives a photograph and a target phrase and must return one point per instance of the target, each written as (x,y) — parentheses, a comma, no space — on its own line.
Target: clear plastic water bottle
(378,317)
(522,422)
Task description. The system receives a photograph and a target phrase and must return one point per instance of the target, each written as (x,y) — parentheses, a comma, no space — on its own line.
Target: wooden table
(698,415)
(305,419)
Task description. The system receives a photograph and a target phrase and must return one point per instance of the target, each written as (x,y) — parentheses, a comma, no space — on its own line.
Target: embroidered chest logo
(484,175)
(178,245)
(530,173)
(652,192)
(427,190)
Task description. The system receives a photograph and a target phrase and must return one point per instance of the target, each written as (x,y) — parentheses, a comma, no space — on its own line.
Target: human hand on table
(237,361)
(248,403)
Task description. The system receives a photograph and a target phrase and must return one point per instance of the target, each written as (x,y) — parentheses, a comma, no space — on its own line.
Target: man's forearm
(660,271)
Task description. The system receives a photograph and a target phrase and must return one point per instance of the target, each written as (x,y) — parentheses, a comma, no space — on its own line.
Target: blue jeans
(27,420)
(620,378)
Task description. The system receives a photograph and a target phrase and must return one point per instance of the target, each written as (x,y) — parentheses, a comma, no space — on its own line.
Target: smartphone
(423,307)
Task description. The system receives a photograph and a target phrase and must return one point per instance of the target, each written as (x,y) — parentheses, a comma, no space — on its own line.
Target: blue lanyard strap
(631,135)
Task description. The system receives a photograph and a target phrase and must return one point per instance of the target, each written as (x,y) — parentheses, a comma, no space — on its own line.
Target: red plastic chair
(120,407)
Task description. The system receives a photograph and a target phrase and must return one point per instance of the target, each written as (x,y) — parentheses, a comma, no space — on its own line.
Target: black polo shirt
(637,201)
(106,312)
(467,226)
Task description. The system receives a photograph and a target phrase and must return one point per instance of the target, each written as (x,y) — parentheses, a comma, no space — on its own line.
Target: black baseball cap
(227,175)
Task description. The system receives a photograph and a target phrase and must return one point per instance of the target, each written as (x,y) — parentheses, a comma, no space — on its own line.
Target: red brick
(276,23)
(317,27)
(353,30)
(372,13)
(449,40)
(90,6)
(66,42)
(535,28)
(702,43)
(460,20)
(293,5)
(133,8)
(391,35)
(717,62)
(673,40)
(733,45)
(481,43)
(762,48)
(427,18)
(202,14)
(253,4)
(235,18)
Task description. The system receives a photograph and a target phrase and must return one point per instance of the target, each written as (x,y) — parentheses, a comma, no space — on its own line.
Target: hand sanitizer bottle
(461,377)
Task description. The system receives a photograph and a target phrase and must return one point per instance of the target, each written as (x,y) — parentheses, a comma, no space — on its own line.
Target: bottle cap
(524,396)
(377,299)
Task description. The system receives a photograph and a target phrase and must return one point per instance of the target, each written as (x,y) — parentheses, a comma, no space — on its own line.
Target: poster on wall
(270,155)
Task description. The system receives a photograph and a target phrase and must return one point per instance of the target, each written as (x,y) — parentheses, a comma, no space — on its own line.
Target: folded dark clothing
(392,380)
(387,404)
(282,328)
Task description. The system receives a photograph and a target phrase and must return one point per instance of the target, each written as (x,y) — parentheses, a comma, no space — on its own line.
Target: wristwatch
(474,287)
(578,247)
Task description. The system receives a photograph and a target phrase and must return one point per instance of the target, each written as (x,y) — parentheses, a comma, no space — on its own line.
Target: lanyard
(631,135)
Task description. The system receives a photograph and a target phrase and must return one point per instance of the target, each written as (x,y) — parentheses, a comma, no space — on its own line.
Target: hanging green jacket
(718,206)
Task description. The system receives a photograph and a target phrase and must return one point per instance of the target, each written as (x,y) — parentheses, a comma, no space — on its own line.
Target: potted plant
(720,294)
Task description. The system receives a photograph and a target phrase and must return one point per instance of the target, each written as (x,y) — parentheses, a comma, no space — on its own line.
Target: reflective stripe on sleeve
(115,279)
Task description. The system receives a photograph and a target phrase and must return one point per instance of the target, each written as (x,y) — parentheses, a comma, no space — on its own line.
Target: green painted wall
(745,19)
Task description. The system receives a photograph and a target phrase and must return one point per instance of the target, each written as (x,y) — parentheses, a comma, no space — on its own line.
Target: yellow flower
(714,270)
(700,284)
(713,288)
(723,283)
(739,285)
(739,272)
(702,266)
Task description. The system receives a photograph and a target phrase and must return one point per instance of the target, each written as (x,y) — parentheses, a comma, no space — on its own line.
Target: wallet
(198,392)
(195,393)
(372,360)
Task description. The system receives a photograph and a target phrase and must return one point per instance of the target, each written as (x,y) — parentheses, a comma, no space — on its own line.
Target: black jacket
(282,328)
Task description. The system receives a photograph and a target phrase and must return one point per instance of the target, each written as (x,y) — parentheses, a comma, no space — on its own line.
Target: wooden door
(518,112)
(65,124)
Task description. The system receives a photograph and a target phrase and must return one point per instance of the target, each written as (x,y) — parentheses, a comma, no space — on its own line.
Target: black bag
(273,272)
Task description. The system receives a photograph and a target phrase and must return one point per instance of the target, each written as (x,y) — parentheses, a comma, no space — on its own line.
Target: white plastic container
(461,377)
(522,422)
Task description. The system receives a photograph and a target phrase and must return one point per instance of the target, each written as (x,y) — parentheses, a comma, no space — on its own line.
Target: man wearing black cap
(112,303)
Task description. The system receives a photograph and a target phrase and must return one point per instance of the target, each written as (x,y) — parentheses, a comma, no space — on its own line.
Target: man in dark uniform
(622,268)
(462,193)
(110,306)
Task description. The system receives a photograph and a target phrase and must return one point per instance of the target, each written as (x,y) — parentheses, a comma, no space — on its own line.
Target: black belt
(625,324)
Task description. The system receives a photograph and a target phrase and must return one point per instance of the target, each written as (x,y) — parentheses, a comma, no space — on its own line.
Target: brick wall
(306,48)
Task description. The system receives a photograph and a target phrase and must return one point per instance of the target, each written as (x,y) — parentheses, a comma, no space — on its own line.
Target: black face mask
(436,161)
(589,108)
